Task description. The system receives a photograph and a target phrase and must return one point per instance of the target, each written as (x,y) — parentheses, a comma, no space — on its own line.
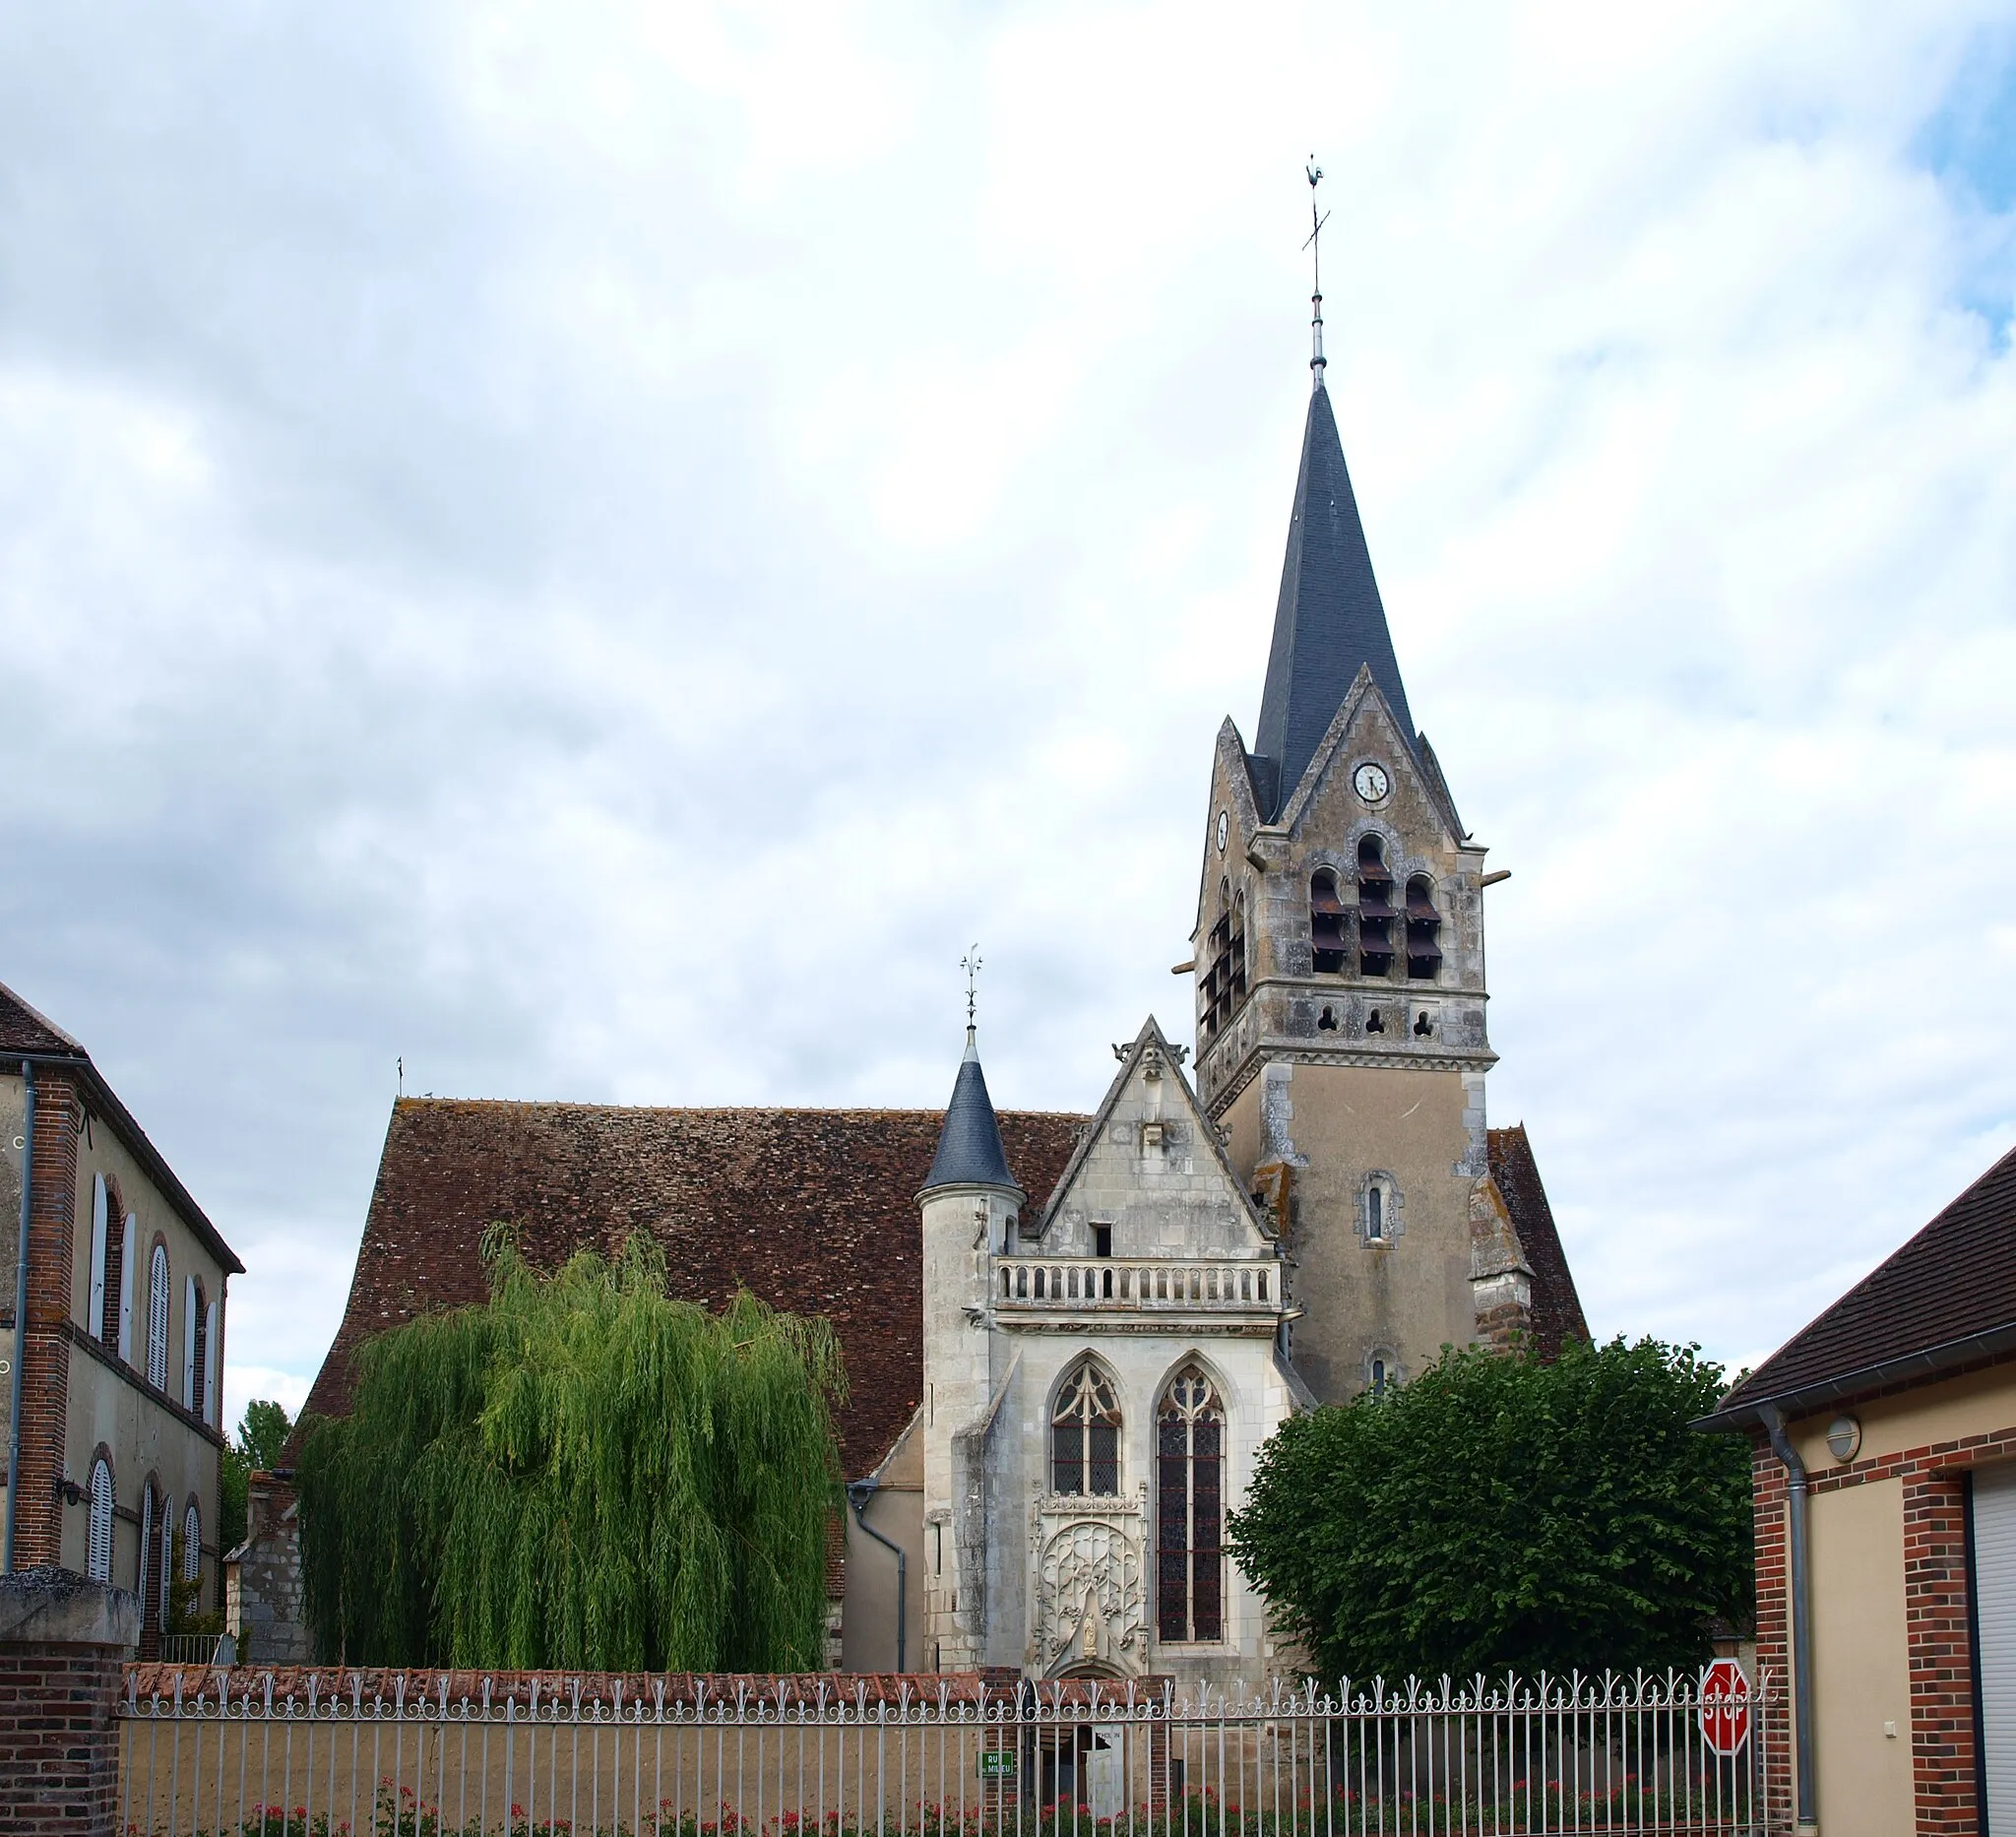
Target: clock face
(1370,782)
(1224,829)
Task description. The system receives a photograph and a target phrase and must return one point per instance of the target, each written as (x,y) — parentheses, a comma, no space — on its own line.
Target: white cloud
(596,549)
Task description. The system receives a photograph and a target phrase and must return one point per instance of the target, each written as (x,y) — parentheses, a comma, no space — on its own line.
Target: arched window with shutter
(1189,1482)
(97,1560)
(113,1300)
(1085,1435)
(158,1318)
(192,1542)
(143,1569)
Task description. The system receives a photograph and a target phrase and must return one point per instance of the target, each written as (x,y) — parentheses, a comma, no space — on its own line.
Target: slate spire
(970,1151)
(1328,620)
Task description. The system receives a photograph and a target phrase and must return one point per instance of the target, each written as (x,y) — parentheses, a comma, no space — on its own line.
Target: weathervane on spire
(971,964)
(1315,247)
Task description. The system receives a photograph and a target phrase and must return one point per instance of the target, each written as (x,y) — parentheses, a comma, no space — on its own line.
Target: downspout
(1801,1614)
(859,1494)
(28,1162)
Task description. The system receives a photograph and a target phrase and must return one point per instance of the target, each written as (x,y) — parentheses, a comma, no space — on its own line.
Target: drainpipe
(28,1162)
(859,1494)
(1802,1613)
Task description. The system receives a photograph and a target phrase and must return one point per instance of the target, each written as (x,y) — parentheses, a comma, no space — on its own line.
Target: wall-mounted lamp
(1844,1437)
(68,1491)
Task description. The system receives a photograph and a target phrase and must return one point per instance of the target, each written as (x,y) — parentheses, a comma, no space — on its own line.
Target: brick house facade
(122,1347)
(1896,1402)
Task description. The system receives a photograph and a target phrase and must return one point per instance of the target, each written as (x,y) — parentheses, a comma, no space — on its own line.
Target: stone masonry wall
(263,1604)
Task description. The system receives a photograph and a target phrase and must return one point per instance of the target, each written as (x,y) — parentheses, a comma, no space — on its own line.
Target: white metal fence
(408,1754)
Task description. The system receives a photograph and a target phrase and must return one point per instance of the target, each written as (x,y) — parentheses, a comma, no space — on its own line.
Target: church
(1068,1337)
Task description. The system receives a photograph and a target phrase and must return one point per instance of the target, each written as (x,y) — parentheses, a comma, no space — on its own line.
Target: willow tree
(580,1471)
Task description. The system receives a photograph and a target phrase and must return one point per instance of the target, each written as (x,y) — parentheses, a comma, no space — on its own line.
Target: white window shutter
(94,1316)
(209,1409)
(126,1289)
(188,1342)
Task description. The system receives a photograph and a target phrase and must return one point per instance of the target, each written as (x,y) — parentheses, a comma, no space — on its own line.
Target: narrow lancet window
(1190,1511)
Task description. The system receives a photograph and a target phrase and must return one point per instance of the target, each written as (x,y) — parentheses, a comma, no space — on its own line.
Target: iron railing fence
(408,1754)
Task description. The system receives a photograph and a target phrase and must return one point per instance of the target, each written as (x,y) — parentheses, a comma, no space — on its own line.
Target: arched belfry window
(1328,921)
(1224,973)
(1375,908)
(1190,1511)
(158,1318)
(1085,1435)
(1423,931)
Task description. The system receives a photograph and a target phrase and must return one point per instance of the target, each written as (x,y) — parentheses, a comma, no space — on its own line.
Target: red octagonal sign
(1725,1708)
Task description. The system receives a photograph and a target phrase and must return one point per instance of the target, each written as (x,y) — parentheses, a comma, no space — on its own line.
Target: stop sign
(1725,1708)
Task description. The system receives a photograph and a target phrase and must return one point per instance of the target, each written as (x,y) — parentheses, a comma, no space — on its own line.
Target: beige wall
(1981,1403)
(869,1618)
(1408,1296)
(1862,1674)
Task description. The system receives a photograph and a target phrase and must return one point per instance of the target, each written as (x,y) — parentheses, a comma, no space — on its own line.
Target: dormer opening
(1328,921)
(1423,931)
(1375,908)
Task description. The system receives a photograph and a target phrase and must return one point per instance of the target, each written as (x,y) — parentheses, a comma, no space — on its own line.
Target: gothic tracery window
(1190,1511)
(1085,1435)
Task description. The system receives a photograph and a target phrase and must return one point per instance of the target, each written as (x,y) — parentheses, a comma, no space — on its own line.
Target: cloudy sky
(595,548)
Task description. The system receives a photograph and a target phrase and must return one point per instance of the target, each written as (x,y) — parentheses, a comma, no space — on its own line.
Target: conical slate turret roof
(970,1151)
(1328,619)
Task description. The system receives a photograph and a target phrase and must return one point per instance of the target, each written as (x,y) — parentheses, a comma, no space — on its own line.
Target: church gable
(1367,765)
(1151,1178)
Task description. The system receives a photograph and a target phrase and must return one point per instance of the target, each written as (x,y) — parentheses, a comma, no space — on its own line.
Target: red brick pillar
(1772,1730)
(64,1644)
(44,1349)
(1941,1645)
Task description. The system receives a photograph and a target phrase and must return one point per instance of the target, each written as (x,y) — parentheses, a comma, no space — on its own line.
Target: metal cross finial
(1315,247)
(971,964)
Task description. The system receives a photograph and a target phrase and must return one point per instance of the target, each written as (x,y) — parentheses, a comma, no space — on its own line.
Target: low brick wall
(64,1647)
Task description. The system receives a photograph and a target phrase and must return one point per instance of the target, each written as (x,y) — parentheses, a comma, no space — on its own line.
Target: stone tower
(971,1203)
(1340,970)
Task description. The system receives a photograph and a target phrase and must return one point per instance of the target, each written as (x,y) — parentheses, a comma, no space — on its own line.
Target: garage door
(1994,1584)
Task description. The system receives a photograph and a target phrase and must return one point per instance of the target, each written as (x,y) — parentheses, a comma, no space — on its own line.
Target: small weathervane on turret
(971,964)
(1315,247)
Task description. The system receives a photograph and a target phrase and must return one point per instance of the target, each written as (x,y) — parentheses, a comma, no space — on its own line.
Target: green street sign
(997,1763)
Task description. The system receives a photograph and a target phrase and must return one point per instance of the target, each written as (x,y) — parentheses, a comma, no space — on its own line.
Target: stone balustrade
(1039,1284)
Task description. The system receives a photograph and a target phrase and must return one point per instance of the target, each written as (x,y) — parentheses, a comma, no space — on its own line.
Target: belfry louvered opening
(1375,908)
(1225,977)
(1329,924)
(1423,931)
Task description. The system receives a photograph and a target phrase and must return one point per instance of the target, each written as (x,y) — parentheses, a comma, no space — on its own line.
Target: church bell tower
(1339,966)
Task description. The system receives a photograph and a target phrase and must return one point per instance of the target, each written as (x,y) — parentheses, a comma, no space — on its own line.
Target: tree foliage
(580,1471)
(1503,1513)
(261,1434)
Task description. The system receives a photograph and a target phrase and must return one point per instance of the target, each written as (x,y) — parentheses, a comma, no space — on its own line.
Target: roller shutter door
(1994,1596)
